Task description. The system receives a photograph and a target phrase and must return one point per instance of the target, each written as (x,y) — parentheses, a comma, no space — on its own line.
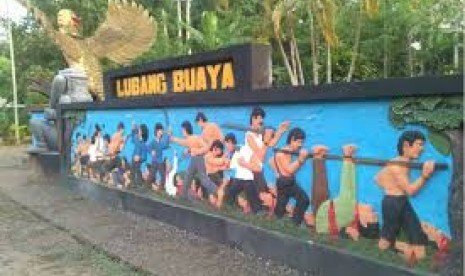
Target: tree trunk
(329,69)
(299,64)
(294,81)
(298,72)
(385,61)
(313,45)
(410,57)
(454,263)
(456,51)
(290,26)
(179,19)
(385,43)
(188,22)
(293,59)
(165,28)
(358,33)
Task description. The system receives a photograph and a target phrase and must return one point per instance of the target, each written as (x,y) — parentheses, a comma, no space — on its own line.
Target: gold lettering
(178,81)
(152,85)
(119,92)
(161,83)
(135,86)
(228,76)
(143,88)
(213,71)
(201,81)
(127,90)
(189,79)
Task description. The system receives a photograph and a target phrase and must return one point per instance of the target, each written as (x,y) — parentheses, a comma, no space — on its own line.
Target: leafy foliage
(437,113)
(384,39)
(384,49)
(440,141)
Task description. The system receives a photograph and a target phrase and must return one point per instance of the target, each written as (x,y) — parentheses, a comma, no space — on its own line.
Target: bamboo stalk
(245,128)
(369,161)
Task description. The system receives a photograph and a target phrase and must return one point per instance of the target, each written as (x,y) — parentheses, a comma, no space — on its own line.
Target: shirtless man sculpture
(397,211)
(286,184)
(216,163)
(197,148)
(210,131)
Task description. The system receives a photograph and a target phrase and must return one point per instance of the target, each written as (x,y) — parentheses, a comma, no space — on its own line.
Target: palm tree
(325,11)
(371,7)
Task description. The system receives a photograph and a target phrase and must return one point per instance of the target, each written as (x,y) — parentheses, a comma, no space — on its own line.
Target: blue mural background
(365,124)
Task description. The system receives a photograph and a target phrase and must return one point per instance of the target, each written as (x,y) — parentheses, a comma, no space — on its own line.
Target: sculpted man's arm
(180,141)
(283,127)
(259,152)
(402,180)
(286,166)
(216,161)
(252,164)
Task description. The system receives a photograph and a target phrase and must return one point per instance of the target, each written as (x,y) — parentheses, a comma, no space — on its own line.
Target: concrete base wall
(312,257)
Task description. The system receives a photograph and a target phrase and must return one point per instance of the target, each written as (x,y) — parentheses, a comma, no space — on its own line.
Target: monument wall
(369,115)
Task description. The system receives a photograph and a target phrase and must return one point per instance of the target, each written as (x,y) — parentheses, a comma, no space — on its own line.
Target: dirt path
(30,246)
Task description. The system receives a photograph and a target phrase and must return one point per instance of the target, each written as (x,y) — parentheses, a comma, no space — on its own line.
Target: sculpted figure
(397,212)
(127,32)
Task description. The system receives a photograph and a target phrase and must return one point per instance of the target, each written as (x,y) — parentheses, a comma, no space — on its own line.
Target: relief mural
(324,165)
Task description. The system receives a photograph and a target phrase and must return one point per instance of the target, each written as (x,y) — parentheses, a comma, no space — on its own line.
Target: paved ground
(146,244)
(30,246)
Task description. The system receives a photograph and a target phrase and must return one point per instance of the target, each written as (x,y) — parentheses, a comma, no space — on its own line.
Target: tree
(36,57)
(6,94)
(299,31)
(5,79)
(370,7)
(443,116)
(285,10)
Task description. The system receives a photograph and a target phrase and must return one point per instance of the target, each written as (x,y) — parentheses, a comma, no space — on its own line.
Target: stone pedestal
(69,86)
(44,166)
(76,86)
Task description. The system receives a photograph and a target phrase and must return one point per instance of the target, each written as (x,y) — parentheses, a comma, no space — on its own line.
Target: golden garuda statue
(127,32)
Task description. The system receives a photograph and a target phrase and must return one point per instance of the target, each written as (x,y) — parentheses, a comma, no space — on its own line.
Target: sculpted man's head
(217,148)
(186,128)
(256,117)
(296,138)
(411,144)
(230,142)
(68,22)
(158,130)
(201,119)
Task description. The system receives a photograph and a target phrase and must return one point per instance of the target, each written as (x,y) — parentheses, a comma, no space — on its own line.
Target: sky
(16,13)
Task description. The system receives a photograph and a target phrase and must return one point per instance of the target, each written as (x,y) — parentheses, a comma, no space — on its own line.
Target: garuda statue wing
(127,32)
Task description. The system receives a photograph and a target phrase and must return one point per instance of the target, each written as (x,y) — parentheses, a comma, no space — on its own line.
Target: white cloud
(10,9)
